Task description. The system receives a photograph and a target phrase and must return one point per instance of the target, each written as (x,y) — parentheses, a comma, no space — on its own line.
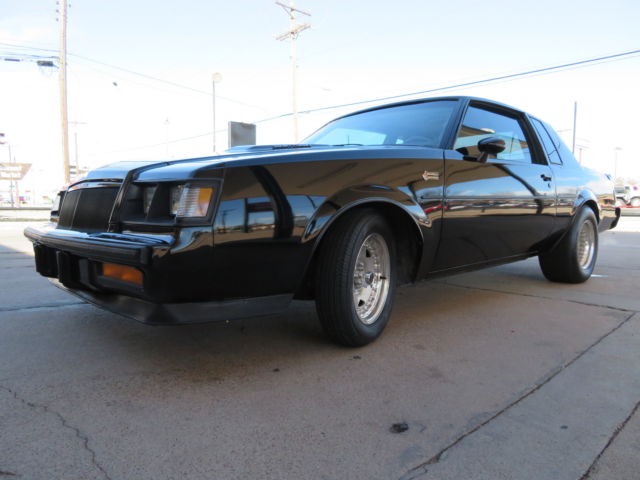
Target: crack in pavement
(588,304)
(614,435)
(422,469)
(65,424)
(41,307)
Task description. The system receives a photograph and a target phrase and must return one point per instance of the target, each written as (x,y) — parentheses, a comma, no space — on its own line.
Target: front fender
(335,206)
(399,208)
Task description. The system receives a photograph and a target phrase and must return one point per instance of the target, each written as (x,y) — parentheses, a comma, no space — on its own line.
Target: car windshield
(421,124)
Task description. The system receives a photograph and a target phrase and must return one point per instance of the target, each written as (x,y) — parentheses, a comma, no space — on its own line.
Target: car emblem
(431,176)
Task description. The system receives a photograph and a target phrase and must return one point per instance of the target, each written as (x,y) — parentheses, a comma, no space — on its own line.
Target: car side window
(479,123)
(566,156)
(547,142)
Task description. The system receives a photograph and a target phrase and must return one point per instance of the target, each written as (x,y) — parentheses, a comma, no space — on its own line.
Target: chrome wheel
(371,278)
(586,244)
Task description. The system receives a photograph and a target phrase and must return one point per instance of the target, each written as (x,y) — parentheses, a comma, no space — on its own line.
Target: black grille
(87,209)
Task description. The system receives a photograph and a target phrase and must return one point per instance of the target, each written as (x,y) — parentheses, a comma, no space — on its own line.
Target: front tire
(574,258)
(356,278)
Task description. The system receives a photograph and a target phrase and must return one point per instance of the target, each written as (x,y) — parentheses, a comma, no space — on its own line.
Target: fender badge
(430,176)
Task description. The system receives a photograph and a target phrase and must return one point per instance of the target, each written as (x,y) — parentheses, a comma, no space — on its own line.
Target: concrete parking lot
(496,374)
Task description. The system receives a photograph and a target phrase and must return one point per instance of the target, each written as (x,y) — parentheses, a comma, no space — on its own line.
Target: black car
(374,199)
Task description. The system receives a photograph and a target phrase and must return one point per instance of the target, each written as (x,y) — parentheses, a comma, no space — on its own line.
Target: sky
(356,50)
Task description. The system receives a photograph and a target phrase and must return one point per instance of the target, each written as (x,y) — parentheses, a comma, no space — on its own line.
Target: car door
(500,208)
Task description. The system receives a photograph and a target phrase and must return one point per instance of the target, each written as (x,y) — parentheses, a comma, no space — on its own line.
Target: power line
(513,76)
(167,82)
(483,81)
(139,74)
(142,147)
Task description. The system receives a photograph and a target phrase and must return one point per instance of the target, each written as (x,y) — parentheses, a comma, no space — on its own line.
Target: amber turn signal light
(122,272)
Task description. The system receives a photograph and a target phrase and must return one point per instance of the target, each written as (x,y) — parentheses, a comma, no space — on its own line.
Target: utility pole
(62,71)
(292,35)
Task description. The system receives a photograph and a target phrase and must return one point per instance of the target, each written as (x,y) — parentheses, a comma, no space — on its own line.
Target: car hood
(252,156)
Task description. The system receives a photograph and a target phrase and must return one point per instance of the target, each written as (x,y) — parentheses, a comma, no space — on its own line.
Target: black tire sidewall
(334,280)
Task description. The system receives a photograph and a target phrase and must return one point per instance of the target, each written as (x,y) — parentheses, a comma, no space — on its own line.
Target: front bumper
(72,262)
(181,313)
(119,248)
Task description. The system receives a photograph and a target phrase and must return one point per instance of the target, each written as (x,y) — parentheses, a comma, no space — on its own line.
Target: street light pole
(75,141)
(215,78)
(575,119)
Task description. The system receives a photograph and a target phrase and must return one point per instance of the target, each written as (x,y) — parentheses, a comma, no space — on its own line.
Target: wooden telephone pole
(62,75)
(292,34)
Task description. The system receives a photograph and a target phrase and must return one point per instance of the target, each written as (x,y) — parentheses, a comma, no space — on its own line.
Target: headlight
(147,196)
(174,198)
(166,201)
(193,201)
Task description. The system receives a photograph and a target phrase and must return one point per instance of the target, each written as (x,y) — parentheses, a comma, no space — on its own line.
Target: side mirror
(489,146)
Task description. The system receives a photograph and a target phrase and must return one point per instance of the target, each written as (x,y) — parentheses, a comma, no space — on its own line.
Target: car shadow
(99,342)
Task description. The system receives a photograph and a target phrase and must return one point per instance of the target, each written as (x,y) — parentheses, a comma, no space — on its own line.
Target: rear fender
(586,196)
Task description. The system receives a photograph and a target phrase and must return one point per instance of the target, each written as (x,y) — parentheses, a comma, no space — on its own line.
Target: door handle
(544,177)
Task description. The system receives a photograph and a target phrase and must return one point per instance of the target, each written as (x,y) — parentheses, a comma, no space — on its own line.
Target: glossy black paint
(274,204)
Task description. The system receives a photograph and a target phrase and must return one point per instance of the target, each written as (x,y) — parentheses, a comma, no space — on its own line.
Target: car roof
(431,99)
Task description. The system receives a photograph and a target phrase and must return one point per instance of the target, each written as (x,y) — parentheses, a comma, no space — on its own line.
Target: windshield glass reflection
(418,124)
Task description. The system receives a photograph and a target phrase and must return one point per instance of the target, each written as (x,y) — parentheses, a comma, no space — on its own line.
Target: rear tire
(356,278)
(573,259)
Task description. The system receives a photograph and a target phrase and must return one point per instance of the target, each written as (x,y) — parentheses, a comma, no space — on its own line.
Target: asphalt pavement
(495,374)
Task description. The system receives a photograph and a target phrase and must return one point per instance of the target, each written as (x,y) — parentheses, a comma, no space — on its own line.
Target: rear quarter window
(549,145)
(563,151)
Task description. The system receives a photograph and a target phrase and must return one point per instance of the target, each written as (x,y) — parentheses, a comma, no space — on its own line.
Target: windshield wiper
(291,145)
(348,145)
